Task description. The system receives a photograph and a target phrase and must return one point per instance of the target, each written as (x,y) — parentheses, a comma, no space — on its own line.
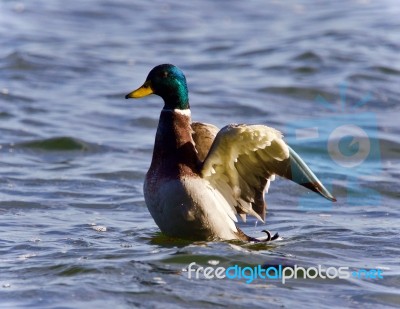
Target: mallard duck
(201,178)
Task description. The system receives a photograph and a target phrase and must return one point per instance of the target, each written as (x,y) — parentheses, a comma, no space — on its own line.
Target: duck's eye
(164,74)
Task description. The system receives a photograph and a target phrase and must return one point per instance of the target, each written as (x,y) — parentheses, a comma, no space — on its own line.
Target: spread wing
(244,158)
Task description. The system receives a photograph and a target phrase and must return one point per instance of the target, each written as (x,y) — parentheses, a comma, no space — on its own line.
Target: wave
(62,143)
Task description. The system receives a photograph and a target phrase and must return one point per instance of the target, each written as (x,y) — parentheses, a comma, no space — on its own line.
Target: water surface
(74,229)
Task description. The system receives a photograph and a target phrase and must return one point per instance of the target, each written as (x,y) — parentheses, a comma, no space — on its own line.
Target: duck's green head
(167,81)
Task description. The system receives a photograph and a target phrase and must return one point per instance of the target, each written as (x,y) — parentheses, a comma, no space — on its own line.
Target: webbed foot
(269,236)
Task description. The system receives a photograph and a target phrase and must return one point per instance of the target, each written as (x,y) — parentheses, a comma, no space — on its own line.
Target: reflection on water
(74,153)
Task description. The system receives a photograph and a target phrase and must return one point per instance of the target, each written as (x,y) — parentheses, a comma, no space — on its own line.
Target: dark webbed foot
(269,237)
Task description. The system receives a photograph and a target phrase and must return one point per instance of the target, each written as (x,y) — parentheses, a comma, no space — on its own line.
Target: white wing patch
(240,163)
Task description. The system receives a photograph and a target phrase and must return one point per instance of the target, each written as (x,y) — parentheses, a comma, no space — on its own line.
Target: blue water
(74,228)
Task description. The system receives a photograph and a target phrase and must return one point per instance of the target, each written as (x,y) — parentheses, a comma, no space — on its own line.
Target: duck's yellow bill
(141,92)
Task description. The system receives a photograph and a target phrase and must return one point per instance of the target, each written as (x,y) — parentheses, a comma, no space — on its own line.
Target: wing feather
(241,173)
(243,159)
(203,137)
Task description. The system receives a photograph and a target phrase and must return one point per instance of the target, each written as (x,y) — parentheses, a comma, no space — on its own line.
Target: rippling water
(74,228)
